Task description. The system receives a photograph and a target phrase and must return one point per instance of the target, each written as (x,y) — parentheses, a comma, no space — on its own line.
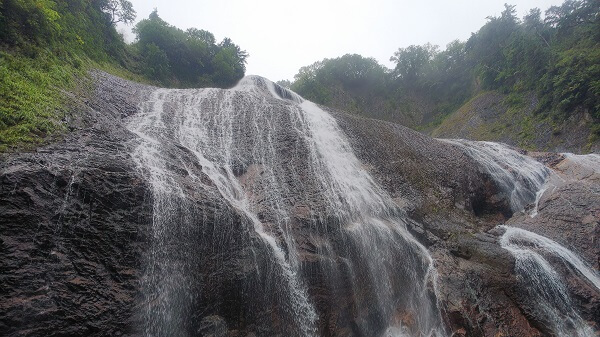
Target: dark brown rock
(76,217)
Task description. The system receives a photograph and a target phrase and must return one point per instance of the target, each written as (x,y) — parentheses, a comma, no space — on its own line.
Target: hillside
(284,219)
(182,198)
(47,48)
(540,73)
(492,116)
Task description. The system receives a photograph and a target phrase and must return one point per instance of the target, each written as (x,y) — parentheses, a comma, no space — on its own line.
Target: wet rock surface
(74,226)
(76,218)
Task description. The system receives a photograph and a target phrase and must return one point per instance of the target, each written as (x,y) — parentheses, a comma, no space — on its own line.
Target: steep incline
(251,212)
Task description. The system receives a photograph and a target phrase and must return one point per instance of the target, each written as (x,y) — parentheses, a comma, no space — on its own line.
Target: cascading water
(375,226)
(548,292)
(165,282)
(277,159)
(573,168)
(210,138)
(519,177)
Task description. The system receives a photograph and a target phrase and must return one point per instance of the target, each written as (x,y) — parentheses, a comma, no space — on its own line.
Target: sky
(282,36)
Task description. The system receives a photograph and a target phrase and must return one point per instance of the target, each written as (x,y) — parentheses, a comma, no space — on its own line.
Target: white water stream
(524,181)
(518,176)
(548,292)
(240,137)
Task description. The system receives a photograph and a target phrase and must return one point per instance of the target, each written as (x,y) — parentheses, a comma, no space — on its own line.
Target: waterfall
(547,290)
(518,176)
(587,164)
(165,282)
(276,158)
(375,225)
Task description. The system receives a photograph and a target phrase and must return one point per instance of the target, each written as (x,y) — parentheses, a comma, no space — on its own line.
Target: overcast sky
(282,36)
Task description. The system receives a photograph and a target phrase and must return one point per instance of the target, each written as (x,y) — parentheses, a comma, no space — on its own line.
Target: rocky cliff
(208,213)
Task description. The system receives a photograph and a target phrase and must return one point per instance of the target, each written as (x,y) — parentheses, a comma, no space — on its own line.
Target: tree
(285,83)
(157,63)
(575,13)
(22,22)
(488,47)
(411,62)
(239,55)
(534,24)
(188,58)
(201,35)
(119,11)
(533,19)
(308,83)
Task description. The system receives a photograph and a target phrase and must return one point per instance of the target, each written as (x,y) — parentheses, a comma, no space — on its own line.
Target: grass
(33,104)
(31,99)
(121,72)
(458,118)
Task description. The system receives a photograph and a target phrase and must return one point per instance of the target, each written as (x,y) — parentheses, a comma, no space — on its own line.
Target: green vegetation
(556,58)
(548,66)
(30,104)
(46,44)
(362,77)
(187,59)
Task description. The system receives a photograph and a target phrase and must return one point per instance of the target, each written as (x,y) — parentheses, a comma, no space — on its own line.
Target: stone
(76,221)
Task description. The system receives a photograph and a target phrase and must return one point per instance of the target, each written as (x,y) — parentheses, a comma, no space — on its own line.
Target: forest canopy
(72,29)
(556,56)
(44,44)
(189,58)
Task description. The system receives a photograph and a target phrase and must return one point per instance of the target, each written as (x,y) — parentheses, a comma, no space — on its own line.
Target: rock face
(152,218)
(74,227)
